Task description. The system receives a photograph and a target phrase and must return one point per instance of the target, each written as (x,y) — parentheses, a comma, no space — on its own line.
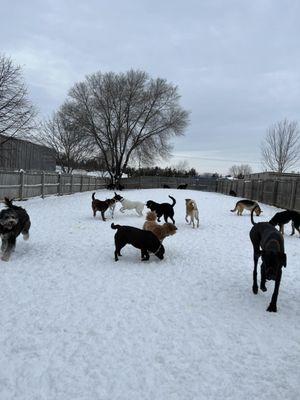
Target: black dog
(162,209)
(268,243)
(144,240)
(13,221)
(165,186)
(232,193)
(282,218)
(183,186)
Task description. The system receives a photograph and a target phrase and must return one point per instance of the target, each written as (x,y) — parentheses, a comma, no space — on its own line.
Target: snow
(75,324)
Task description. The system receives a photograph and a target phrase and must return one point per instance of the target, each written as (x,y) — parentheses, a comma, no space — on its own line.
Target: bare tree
(63,136)
(240,171)
(16,111)
(281,147)
(127,112)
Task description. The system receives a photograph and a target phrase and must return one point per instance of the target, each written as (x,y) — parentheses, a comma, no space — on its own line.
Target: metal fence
(283,193)
(22,185)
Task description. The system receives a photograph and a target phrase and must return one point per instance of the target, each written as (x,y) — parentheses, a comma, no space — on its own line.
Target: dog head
(151,204)
(271,262)
(258,210)
(169,229)
(117,197)
(8,219)
(160,252)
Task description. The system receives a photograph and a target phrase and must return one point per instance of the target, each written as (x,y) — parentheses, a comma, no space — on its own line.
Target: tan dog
(192,212)
(248,205)
(160,231)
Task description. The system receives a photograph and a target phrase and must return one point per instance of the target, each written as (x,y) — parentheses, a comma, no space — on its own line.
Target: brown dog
(160,231)
(246,204)
(102,206)
(192,212)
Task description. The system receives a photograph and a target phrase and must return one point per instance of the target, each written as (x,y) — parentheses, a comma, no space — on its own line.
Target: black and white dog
(163,209)
(13,221)
(144,240)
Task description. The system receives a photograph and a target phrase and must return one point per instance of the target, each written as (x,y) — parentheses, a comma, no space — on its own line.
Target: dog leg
(10,247)
(263,278)
(255,286)
(186,218)
(145,255)
(273,305)
(102,215)
(159,217)
(293,229)
(3,245)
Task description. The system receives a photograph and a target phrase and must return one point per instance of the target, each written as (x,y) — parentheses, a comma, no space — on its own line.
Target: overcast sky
(236,63)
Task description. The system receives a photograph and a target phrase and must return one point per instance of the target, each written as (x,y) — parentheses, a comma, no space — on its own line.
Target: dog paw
(272,308)
(263,288)
(25,236)
(255,289)
(5,257)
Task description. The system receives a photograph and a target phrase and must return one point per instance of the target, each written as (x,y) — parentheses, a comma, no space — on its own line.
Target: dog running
(241,205)
(162,209)
(192,212)
(161,231)
(102,206)
(138,206)
(268,244)
(146,241)
(282,218)
(13,221)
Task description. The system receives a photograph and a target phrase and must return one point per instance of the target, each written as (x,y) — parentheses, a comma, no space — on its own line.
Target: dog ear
(283,259)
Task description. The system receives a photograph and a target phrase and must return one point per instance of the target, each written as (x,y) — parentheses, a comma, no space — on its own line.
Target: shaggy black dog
(144,240)
(232,193)
(162,209)
(182,186)
(282,218)
(13,221)
(268,244)
(165,186)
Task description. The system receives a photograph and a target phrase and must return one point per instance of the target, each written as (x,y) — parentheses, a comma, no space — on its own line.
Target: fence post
(293,195)
(43,184)
(81,183)
(21,193)
(275,192)
(71,184)
(59,186)
(261,197)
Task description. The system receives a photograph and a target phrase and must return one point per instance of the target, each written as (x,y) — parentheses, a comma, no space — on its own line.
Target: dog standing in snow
(161,231)
(192,212)
(13,221)
(138,206)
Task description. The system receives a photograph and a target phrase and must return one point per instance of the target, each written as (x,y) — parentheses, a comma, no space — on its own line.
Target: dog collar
(157,249)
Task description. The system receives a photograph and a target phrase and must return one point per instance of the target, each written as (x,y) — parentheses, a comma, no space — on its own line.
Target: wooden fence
(21,185)
(283,193)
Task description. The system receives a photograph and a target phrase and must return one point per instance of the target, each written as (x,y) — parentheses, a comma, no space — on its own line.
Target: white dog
(192,212)
(138,206)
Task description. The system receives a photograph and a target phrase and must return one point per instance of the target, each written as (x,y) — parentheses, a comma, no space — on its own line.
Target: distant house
(18,154)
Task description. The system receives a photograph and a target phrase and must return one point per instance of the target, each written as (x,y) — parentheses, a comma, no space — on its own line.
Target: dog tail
(9,203)
(93,196)
(252,211)
(113,226)
(235,208)
(174,201)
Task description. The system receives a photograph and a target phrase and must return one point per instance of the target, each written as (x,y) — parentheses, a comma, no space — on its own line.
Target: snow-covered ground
(75,324)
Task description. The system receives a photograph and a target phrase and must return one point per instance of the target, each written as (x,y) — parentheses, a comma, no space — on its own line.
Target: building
(16,154)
